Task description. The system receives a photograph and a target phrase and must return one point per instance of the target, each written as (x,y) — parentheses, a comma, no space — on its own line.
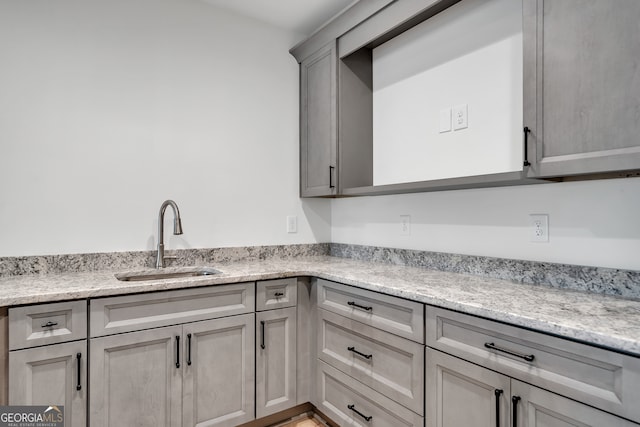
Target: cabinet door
(51,375)
(318,123)
(459,393)
(539,408)
(136,379)
(581,86)
(219,368)
(275,361)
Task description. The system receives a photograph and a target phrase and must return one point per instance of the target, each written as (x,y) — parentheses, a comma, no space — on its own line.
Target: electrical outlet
(539,226)
(460,117)
(292,224)
(405,225)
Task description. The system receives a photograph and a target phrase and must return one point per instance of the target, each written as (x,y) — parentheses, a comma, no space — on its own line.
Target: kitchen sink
(166,273)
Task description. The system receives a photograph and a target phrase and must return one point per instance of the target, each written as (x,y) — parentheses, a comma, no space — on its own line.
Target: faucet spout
(177,229)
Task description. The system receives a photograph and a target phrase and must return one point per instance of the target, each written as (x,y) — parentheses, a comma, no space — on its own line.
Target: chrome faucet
(177,229)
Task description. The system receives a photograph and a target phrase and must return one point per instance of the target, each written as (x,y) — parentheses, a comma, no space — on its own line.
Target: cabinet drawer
(134,312)
(44,324)
(598,377)
(272,294)
(392,314)
(385,362)
(340,396)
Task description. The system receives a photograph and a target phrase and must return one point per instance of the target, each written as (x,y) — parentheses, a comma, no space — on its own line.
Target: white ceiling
(300,16)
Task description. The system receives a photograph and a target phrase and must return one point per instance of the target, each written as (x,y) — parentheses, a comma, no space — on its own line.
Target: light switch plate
(445,120)
(292,224)
(460,117)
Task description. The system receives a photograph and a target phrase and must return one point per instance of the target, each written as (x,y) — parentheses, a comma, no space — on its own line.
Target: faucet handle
(170,257)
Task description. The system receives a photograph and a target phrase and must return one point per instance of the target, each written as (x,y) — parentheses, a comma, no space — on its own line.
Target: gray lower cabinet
(276,357)
(581,86)
(51,375)
(318,123)
(197,374)
(460,393)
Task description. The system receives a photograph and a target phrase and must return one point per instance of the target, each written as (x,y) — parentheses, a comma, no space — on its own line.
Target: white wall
(469,54)
(107,108)
(594,223)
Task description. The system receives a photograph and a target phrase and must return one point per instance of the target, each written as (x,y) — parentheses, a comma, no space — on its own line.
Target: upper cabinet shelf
(580,99)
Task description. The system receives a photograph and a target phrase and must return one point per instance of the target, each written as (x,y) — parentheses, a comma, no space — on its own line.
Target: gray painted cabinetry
(369,372)
(276,346)
(581,96)
(193,373)
(48,358)
(582,86)
(493,388)
(318,123)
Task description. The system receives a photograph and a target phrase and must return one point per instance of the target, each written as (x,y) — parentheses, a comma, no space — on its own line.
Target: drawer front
(272,294)
(135,312)
(396,315)
(350,403)
(392,365)
(44,324)
(601,378)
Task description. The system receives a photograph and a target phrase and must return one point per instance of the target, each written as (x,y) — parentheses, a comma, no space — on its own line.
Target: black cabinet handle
(177,351)
(514,401)
(353,350)
(50,324)
(189,349)
(331,168)
(353,408)
(79,372)
(526,145)
(278,294)
(498,393)
(354,304)
(262,334)
(527,357)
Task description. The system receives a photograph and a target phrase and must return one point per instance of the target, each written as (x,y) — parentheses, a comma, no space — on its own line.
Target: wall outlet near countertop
(539,226)
(405,225)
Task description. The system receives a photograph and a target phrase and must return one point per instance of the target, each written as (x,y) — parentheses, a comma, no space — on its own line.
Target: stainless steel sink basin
(166,273)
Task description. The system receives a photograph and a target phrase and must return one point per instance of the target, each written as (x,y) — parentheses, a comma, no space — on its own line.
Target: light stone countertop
(598,319)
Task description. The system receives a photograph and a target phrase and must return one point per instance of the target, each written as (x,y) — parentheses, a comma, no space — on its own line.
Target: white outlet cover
(405,225)
(539,227)
(445,120)
(460,115)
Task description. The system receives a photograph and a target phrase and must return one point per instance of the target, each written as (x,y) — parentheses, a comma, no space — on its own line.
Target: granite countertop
(603,320)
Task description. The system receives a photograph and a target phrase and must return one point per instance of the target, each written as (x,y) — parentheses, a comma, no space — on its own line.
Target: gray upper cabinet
(582,86)
(318,123)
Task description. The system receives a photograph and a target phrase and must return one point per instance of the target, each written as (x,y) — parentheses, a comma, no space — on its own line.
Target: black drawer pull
(177,351)
(278,294)
(353,350)
(527,357)
(353,408)
(50,324)
(331,168)
(354,304)
(498,393)
(189,349)
(79,372)
(514,401)
(262,346)
(526,146)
